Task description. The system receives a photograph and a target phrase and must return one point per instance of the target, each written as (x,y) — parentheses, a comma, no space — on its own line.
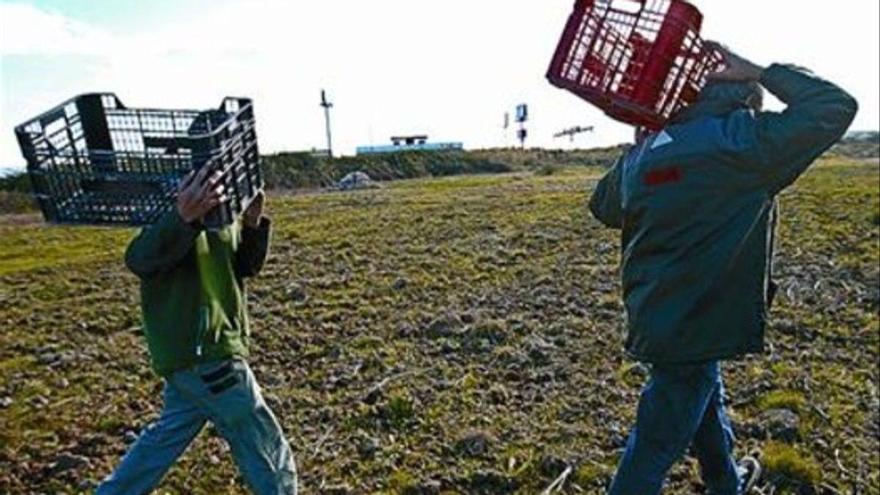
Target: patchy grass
(479,303)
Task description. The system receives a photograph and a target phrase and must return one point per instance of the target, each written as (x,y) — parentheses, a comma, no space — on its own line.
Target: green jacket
(192,289)
(696,206)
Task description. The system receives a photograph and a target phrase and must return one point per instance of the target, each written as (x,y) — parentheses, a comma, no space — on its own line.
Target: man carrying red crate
(196,325)
(696,205)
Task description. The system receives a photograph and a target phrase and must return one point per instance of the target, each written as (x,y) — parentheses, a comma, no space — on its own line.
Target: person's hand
(198,193)
(737,68)
(254,211)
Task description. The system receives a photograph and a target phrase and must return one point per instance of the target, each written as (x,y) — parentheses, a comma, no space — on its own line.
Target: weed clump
(399,409)
(783,399)
(590,475)
(787,467)
(402,482)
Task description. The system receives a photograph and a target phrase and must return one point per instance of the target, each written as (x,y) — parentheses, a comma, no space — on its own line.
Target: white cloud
(28,30)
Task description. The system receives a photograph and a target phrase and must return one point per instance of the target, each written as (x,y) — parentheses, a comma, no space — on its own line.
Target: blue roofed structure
(418,142)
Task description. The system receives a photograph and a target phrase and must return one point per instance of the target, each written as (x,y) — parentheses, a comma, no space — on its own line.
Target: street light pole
(327,106)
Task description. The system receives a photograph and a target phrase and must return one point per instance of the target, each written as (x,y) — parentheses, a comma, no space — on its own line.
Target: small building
(417,142)
(322,153)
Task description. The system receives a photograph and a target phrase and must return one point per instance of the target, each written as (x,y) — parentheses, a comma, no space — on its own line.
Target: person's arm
(161,246)
(254,249)
(783,144)
(817,116)
(606,202)
(255,238)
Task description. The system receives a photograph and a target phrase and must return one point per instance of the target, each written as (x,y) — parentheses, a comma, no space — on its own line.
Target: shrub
(16,182)
(548,169)
(16,202)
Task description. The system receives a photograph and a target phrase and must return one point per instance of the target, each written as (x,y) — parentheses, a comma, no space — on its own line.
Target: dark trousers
(681,407)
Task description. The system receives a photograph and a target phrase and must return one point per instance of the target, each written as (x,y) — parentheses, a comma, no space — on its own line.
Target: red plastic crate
(638,60)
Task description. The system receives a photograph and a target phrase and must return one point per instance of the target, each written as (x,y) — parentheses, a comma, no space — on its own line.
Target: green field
(459,335)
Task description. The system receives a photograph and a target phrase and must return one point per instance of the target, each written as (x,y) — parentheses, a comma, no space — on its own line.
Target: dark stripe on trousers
(224,385)
(221,372)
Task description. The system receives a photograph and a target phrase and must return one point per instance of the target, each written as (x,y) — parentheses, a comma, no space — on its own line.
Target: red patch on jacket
(663,176)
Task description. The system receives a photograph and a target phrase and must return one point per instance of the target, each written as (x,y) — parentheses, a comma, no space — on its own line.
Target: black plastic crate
(93,161)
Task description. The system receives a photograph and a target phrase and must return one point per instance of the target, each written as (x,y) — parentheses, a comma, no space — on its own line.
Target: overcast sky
(446,68)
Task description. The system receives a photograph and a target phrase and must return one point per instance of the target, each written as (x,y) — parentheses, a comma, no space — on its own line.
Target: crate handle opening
(627,6)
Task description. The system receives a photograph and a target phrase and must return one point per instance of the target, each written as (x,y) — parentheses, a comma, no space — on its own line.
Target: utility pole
(327,106)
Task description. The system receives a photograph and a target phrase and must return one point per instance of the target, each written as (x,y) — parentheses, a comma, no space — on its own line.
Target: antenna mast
(571,132)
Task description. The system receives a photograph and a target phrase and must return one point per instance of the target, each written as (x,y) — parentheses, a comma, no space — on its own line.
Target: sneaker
(749,472)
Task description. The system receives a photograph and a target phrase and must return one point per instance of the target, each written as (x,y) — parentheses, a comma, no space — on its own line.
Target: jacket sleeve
(160,246)
(606,202)
(817,115)
(254,249)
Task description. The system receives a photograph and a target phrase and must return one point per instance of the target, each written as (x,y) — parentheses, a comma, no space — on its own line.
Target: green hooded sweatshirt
(192,289)
(696,205)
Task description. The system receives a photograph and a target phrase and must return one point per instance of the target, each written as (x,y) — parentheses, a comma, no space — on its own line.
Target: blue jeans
(226,394)
(681,406)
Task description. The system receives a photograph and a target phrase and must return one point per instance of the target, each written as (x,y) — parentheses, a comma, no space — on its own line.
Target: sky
(448,69)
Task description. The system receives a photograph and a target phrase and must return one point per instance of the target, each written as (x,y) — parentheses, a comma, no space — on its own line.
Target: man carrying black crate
(696,205)
(196,325)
